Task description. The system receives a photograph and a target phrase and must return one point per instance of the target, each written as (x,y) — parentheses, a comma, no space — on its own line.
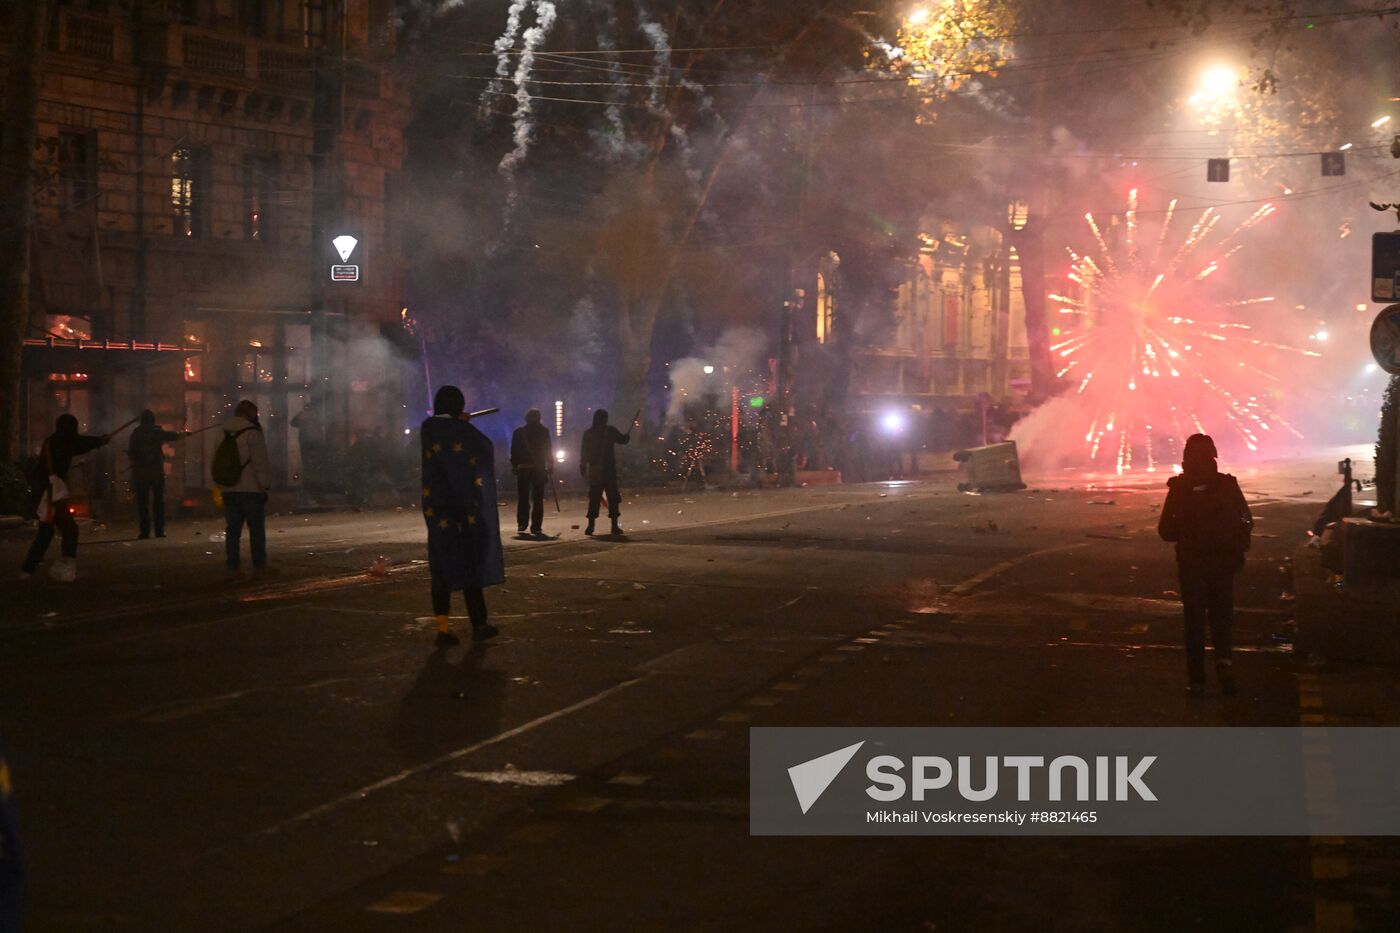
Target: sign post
(1385,266)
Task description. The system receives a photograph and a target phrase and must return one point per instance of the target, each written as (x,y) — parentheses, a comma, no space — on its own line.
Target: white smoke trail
(656,100)
(502,47)
(533,38)
(612,143)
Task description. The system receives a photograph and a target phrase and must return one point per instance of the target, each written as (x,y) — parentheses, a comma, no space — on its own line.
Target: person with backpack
(1208,519)
(49,495)
(240,469)
(146,451)
(459,508)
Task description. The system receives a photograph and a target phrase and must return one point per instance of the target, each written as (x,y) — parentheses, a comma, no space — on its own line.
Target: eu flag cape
(459,505)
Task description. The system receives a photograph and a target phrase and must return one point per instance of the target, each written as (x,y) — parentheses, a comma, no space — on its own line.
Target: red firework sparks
(1158,354)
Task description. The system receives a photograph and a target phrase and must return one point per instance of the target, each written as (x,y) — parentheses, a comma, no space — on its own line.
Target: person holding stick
(598,465)
(146,451)
(49,495)
(459,508)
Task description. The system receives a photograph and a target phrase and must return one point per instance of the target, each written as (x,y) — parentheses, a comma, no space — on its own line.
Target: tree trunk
(634,367)
(1030,247)
(21,98)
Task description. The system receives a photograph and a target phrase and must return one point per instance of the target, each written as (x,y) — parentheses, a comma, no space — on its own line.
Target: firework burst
(1155,353)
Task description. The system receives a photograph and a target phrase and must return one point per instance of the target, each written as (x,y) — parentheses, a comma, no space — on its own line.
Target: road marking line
(787,687)
(973,582)
(737,716)
(405,902)
(763,700)
(584,804)
(850,648)
(407,773)
(475,865)
(705,735)
(629,779)
(866,641)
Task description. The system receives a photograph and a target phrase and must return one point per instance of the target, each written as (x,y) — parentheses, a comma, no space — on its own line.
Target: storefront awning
(59,354)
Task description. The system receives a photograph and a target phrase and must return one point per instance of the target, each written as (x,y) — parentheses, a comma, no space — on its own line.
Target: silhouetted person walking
(532,462)
(146,451)
(1207,517)
(51,477)
(459,507)
(598,464)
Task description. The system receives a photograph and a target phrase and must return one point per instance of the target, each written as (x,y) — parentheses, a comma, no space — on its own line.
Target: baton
(484,411)
(633,423)
(554,489)
(119,430)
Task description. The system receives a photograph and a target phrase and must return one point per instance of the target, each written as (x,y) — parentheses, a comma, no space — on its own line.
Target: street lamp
(1217,83)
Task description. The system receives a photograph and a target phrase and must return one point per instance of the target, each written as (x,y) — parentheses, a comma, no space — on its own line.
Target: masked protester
(459,507)
(49,494)
(244,488)
(1208,519)
(598,464)
(532,462)
(146,451)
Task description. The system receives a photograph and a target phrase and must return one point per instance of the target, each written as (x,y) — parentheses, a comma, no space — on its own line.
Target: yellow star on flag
(456,448)
(427,492)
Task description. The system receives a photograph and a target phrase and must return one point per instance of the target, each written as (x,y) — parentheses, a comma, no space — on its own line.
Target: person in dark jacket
(532,462)
(59,450)
(598,465)
(1207,517)
(146,451)
(459,507)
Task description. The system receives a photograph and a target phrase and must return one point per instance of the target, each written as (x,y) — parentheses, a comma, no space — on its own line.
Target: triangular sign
(345,245)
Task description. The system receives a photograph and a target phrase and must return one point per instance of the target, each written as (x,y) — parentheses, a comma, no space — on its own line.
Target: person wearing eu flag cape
(459,507)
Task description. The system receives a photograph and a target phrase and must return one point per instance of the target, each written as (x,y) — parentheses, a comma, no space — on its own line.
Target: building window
(259,190)
(313,23)
(252,17)
(77,169)
(189,190)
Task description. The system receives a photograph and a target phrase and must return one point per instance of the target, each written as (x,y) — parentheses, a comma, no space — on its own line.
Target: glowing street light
(1380,123)
(1217,83)
(709,370)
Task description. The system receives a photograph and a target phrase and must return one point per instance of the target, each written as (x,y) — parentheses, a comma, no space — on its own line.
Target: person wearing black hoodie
(146,451)
(1208,519)
(597,463)
(60,449)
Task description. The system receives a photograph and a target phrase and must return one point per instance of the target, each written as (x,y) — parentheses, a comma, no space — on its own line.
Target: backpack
(226,468)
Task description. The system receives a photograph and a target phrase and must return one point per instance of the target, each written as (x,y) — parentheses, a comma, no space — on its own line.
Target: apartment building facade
(202,166)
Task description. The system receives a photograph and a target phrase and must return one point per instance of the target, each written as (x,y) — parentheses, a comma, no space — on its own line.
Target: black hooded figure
(532,462)
(1207,517)
(598,463)
(60,449)
(146,451)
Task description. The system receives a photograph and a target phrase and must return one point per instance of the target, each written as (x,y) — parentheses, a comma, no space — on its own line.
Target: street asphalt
(293,752)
